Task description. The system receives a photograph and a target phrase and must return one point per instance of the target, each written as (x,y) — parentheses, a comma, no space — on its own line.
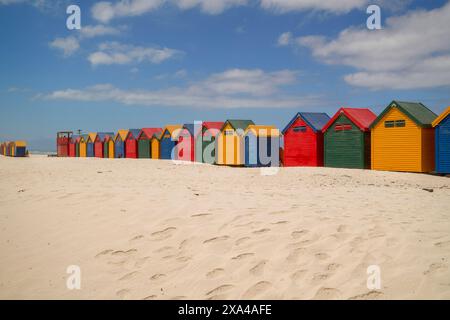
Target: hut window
(343,127)
(228,132)
(400,123)
(389,124)
(300,129)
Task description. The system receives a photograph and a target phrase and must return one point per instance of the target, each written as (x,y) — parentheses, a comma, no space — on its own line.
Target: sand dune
(143,229)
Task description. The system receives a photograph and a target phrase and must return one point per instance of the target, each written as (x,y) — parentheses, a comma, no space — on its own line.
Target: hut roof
(104,135)
(92,136)
(238,124)
(134,133)
(150,132)
(212,125)
(441,117)
(84,137)
(171,129)
(122,133)
(361,117)
(263,131)
(416,111)
(315,120)
(20,143)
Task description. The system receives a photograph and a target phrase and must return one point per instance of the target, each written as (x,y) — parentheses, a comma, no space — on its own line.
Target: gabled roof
(238,124)
(263,131)
(84,137)
(149,132)
(416,111)
(103,135)
(171,129)
(92,136)
(212,125)
(361,117)
(122,133)
(190,127)
(20,143)
(134,133)
(441,117)
(109,136)
(315,120)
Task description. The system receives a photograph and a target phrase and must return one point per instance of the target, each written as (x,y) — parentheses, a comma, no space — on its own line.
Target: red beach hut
(72,146)
(186,143)
(131,144)
(303,140)
(99,143)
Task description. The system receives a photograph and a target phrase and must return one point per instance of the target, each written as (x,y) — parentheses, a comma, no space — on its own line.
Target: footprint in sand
(261,231)
(129,276)
(256,290)
(217,272)
(371,295)
(321,256)
(122,253)
(140,262)
(442,244)
(259,268)
(320,276)
(327,293)
(333,266)
(138,237)
(294,255)
(219,290)
(150,297)
(298,275)
(103,253)
(200,215)
(123,294)
(435,267)
(216,239)
(157,276)
(242,240)
(280,222)
(243,256)
(163,234)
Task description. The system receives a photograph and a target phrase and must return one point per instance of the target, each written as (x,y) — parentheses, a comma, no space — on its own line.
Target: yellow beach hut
(154,142)
(230,143)
(402,138)
(83,145)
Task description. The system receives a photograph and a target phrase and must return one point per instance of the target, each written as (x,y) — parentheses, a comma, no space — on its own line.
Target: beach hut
(72,146)
(2,148)
(108,146)
(131,144)
(230,144)
(12,149)
(205,146)
(303,140)
(90,141)
(119,143)
(155,144)
(347,139)
(82,145)
(168,141)
(262,146)
(77,146)
(442,138)
(62,143)
(402,138)
(186,142)
(144,142)
(20,148)
(99,143)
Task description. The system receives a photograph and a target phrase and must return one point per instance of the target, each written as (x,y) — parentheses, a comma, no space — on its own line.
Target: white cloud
(412,51)
(231,89)
(337,6)
(210,6)
(68,45)
(115,53)
(285,39)
(104,11)
(92,31)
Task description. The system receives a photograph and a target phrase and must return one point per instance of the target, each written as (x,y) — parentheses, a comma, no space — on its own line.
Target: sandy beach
(144,229)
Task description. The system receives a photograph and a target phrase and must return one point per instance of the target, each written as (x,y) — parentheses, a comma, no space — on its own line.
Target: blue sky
(146,63)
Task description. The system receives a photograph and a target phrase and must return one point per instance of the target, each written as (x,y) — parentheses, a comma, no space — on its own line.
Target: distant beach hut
(262,146)
(144,142)
(99,143)
(119,143)
(82,145)
(20,148)
(62,143)
(131,144)
(347,139)
(90,144)
(185,149)
(12,148)
(73,146)
(402,138)
(168,141)
(303,139)
(2,148)
(230,144)
(442,136)
(155,143)
(205,146)
(108,146)
(77,146)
